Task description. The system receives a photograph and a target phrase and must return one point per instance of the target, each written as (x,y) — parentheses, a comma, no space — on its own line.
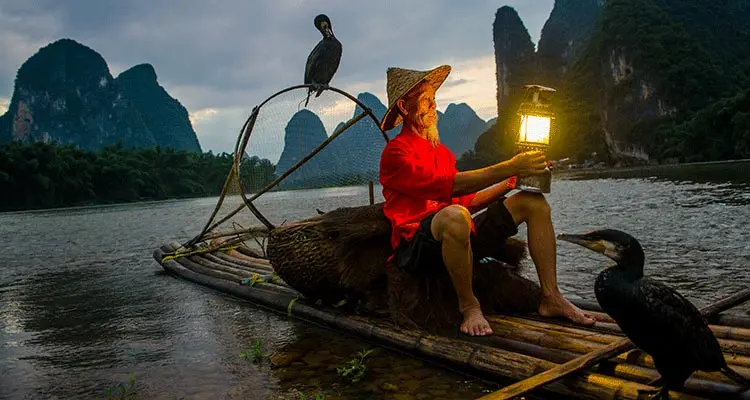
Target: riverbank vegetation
(44,175)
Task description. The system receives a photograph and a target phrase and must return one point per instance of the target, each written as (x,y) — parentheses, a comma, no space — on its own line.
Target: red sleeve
(464,200)
(400,171)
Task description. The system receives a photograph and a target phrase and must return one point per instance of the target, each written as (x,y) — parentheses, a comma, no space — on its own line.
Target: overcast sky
(221,59)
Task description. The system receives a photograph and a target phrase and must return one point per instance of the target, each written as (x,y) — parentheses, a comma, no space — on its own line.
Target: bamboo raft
(521,346)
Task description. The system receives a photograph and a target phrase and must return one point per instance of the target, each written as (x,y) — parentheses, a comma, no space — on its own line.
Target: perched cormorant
(324,59)
(655,317)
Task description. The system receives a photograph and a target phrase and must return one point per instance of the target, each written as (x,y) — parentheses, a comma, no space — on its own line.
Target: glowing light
(534,129)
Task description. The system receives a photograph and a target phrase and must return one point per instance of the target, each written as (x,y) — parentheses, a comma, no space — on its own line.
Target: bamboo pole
(202,263)
(218,253)
(590,359)
(731,320)
(199,266)
(718,319)
(260,261)
(245,262)
(223,268)
(193,266)
(242,273)
(736,345)
(247,252)
(227,260)
(588,334)
(548,339)
(594,333)
(720,331)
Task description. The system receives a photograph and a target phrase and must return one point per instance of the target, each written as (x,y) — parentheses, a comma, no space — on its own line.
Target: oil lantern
(536,118)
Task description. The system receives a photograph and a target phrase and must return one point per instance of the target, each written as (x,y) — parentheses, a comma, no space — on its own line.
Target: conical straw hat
(399,81)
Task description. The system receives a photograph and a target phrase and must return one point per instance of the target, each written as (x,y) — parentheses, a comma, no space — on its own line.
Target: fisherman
(430,204)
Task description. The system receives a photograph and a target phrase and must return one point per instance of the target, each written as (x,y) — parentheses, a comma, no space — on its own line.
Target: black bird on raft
(654,316)
(324,59)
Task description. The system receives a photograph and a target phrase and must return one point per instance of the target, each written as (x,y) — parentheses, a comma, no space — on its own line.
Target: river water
(83,304)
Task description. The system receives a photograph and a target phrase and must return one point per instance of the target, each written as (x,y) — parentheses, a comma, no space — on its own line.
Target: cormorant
(324,59)
(654,316)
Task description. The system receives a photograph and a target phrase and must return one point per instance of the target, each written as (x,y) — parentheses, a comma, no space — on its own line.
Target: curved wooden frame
(239,150)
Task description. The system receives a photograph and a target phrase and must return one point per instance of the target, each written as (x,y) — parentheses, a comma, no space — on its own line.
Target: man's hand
(529,163)
(523,164)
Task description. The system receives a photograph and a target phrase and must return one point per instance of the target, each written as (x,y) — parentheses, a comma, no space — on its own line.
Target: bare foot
(558,306)
(474,322)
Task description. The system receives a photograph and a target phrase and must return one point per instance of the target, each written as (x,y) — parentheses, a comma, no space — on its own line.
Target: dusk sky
(221,59)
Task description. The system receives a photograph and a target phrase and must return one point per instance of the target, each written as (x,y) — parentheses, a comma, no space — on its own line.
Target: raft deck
(522,345)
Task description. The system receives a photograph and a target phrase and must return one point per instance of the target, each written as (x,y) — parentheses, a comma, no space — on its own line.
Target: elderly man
(430,204)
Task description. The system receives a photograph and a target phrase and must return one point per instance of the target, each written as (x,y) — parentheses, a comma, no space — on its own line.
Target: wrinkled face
(419,110)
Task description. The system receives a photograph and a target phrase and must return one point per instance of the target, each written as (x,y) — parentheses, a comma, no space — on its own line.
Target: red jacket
(417,181)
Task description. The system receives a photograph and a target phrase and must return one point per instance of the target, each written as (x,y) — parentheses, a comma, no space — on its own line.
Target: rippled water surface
(83,304)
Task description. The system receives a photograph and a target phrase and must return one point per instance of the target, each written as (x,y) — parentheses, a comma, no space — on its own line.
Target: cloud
(4,102)
(455,82)
(472,82)
(202,115)
(231,55)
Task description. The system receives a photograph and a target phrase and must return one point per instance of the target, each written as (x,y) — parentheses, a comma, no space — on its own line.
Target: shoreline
(565,173)
(558,174)
(99,205)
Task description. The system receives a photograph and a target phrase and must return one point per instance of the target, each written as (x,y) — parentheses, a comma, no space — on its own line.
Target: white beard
(429,129)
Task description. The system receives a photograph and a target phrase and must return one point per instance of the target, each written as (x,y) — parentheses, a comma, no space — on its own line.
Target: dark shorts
(424,253)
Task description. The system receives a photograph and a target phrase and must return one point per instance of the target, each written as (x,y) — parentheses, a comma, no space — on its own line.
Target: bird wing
(313,62)
(324,61)
(672,322)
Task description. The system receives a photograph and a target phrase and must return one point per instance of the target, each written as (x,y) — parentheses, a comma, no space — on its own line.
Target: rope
(289,307)
(177,254)
(258,278)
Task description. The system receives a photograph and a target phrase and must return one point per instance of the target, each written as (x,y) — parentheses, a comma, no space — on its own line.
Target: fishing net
(302,191)
(293,162)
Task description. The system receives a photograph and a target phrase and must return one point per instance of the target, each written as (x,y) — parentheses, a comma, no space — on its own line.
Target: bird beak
(327,31)
(600,246)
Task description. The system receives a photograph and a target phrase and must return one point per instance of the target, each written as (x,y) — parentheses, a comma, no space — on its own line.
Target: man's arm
(487,196)
(475,180)
(528,163)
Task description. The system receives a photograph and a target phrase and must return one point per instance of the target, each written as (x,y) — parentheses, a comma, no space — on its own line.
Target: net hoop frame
(239,150)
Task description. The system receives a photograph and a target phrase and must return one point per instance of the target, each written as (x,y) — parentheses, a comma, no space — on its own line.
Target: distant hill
(65,93)
(638,81)
(459,128)
(164,116)
(650,69)
(302,134)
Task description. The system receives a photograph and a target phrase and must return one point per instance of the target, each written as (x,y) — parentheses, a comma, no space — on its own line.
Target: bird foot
(318,88)
(655,394)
